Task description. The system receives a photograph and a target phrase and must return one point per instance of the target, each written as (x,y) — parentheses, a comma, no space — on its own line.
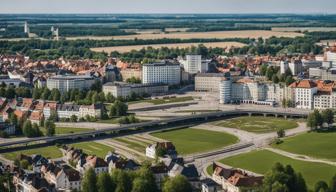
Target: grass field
(198,35)
(48,152)
(258,124)
(133,145)
(262,161)
(124,49)
(188,141)
(93,148)
(67,130)
(318,145)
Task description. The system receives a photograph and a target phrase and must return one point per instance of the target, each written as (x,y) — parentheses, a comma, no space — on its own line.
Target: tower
(57,34)
(26,27)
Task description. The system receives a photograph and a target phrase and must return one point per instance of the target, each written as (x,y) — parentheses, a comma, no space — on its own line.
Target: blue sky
(167,6)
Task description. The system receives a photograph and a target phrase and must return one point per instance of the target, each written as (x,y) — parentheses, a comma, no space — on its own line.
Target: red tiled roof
(305,84)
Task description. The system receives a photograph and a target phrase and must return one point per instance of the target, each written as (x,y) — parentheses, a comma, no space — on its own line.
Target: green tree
(105,183)
(145,180)
(321,186)
(50,127)
(311,121)
(27,129)
(73,118)
(275,79)
(36,130)
(89,182)
(283,179)
(289,80)
(332,184)
(122,180)
(281,133)
(328,116)
(263,69)
(177,184)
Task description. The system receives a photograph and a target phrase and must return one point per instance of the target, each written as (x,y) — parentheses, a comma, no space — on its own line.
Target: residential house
(94,110)
(233,179)
(98,164)
(36,116)
(64,177)
(31,182)
(168,147)
(49,106)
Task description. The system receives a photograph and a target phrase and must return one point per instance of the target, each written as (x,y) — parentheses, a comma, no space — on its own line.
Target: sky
(168,6)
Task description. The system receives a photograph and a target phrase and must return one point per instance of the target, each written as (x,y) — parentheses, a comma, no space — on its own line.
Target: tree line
(141,180)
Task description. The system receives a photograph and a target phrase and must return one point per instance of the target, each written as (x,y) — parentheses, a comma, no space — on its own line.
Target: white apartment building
(67,82)
(194,64)
(331,56)
(208,81)
(304,94)
(164,73)
(283,66)
(296,67)
(249,91)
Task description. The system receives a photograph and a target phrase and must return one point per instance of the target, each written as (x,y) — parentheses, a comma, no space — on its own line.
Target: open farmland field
(302,29)
(263,160)
(317,145)
(124,49)
(198,35)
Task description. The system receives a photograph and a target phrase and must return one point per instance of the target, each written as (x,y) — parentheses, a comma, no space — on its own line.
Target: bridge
(167,123)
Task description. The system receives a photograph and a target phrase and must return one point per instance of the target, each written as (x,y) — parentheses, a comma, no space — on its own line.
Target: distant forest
(107,25)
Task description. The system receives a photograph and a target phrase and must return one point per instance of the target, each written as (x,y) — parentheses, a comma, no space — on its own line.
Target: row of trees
(273,74)
(33,130)
(284,179)
(141,180)
(316,119)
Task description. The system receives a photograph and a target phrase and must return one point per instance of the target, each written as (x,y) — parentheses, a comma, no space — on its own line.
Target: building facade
(120,89)
(161,73)
(66,83)
(208,81)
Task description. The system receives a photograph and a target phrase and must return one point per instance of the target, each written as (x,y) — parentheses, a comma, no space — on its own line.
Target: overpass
(167,123)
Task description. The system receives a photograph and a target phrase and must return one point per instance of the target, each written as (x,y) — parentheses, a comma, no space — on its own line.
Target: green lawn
(93,148)
(188,141)
(132,145)
(318,145)
(164,101)
(258,124)
(111,121)
(262,161)
(48,152)
(67,130)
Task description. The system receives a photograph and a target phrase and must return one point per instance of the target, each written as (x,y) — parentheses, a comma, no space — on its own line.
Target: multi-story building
(208,81)
(67,82)
(194,64)
(164,72)
(250,91)
(323,73)
(296,67)
(120,89)
(314,94)
(331,56)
